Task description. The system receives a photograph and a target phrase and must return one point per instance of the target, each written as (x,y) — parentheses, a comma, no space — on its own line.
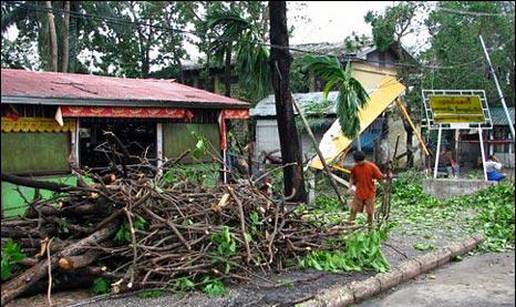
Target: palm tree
(239,35)
(352,96)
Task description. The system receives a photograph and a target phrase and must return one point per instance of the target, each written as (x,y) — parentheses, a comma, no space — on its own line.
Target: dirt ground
(482,280)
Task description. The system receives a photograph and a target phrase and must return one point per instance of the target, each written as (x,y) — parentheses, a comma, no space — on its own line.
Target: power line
(471,13)
(199,34)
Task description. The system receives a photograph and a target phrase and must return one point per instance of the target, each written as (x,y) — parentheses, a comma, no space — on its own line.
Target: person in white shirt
(493,166)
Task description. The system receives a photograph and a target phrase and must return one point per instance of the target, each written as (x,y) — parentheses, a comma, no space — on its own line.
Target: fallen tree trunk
(51,186)
(19,284)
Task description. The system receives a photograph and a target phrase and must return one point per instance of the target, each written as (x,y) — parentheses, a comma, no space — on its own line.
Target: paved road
(476,281)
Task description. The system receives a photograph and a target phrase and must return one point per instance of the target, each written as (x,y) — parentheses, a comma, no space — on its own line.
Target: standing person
(493,165)
(362,176)
(446,159)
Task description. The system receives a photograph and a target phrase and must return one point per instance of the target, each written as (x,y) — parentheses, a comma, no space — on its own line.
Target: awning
(334,142)
(33,124)
(125,112)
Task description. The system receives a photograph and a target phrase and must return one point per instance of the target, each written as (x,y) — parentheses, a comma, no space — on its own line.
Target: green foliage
(100,286)
(213,287)
(184,284)
(201,146)
(150,293)
(299,80)
(327,203)
(123,235)
(454,40)
(362,253)
(390,26)
(422,246)
(11,255)
(225,241)
(200,174)
(352,96)
(235,31)
(493,211)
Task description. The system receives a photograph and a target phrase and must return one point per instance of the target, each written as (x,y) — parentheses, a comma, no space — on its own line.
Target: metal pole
(437,150)
(491,69)
(159,145)
(482,152)
(225,175)
(359,144)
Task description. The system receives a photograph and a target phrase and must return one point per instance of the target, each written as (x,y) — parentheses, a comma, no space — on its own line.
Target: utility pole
(491,70)
(290,143)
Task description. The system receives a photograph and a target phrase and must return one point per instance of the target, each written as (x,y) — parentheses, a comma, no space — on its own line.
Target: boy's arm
(378,175)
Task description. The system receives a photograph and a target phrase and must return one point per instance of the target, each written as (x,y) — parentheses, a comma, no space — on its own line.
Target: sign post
(436,166)
(454,110)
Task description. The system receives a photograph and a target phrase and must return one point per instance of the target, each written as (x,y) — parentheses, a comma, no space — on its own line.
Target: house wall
(179,137)
(370,75)
(267,138)
(396,127)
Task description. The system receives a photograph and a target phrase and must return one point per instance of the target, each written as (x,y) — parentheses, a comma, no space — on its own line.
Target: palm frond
(352,96)
(253,66)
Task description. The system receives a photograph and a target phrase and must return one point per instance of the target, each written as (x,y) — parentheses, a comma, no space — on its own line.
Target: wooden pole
(321,157)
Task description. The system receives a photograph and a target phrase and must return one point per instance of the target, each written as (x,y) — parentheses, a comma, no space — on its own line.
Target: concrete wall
(446,188)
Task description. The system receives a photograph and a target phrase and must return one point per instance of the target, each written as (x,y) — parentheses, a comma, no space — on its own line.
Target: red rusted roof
(66,88)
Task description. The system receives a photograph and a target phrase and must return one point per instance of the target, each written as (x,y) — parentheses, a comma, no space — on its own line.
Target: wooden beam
(405,114)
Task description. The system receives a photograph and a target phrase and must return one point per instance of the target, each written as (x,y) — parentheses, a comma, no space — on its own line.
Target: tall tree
(389,28)
(289,139)
(53,36)
(231,26)
(135,37)
(454,27)
(66,37)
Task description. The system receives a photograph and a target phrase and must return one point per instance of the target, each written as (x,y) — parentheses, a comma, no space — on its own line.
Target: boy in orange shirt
(362,176)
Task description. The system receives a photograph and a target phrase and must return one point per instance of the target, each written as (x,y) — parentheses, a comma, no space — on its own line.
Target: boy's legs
(357,205)
(369,208)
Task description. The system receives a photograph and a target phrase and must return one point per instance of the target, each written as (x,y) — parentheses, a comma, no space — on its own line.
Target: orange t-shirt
(363,175)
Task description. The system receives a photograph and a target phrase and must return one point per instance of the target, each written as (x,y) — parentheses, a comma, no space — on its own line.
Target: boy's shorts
(358,205)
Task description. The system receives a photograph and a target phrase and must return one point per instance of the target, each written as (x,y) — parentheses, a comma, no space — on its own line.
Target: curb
(357,291)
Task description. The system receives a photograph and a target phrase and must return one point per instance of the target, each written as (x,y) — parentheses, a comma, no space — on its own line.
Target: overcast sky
(332,21)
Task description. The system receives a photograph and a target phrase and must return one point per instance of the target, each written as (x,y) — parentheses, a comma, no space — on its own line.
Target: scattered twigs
(242,223)
(49,291)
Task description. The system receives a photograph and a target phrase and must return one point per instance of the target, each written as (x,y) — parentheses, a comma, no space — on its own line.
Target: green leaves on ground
(11,255)
(421,246)
(362,253)
(123,234)
(100,286)
(490,211)
(213,287)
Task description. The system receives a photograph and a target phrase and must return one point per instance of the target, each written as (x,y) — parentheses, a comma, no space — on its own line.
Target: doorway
(137,135)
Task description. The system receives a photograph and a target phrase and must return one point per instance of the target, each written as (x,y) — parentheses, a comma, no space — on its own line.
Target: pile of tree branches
(147,229)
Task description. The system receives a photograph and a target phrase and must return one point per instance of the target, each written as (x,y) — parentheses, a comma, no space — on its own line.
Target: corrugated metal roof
(498,115)
(267,106)
(21,84)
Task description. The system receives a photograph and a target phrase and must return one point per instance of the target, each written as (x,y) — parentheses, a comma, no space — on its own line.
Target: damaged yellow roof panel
(334,142)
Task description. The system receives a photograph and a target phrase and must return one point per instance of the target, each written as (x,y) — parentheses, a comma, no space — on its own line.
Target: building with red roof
(50,119)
